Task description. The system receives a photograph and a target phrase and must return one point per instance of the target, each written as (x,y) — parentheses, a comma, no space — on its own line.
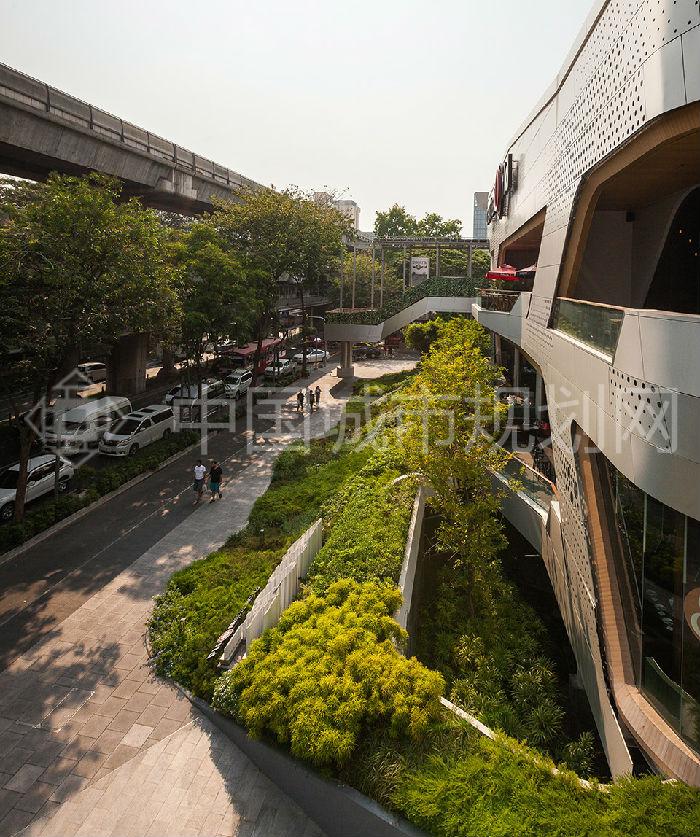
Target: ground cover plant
(90,485)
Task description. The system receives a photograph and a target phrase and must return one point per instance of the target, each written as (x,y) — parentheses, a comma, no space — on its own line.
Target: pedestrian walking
(300,401)
(215,474)
(309,399)
(200,472)
(318,396)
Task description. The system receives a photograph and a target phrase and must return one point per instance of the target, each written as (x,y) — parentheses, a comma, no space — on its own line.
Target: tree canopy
(397,221)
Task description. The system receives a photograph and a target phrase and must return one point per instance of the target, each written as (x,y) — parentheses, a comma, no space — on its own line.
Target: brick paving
(86,728)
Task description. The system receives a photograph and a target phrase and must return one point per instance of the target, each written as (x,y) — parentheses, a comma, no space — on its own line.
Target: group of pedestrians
(215,476)
(312,398)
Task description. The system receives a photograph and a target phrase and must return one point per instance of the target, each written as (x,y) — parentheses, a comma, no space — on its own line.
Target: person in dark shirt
(215,474)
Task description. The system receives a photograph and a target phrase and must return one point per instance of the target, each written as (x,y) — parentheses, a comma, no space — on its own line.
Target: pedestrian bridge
(370,325)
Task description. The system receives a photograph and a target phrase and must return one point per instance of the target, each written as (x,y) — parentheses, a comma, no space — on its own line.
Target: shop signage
(420,269)
(503,186)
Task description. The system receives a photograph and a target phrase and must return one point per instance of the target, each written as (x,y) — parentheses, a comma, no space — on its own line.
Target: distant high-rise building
(481,202)
(347,207)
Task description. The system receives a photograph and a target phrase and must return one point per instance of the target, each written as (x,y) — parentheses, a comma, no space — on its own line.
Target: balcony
(598,326)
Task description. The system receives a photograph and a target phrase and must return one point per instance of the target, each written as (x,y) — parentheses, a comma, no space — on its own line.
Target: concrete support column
(126,367)
(346,369)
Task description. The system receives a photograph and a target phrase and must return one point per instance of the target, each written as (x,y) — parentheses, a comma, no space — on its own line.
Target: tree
(79,267)
(282,234)
(433,225)
(420,336)
(215,296)
(446,440)
(393,280)
(395,222)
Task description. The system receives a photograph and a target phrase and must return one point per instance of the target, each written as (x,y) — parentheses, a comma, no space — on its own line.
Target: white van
(82,427)
(137,430)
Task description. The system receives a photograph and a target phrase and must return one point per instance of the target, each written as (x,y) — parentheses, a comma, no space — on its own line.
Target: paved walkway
(92,743)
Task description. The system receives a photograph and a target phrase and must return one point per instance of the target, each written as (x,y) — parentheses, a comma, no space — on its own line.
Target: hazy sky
(389,100)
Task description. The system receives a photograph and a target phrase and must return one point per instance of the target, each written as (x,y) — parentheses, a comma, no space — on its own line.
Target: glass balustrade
(595,325)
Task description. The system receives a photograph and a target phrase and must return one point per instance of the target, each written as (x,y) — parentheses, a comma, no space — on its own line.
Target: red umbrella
(505,272)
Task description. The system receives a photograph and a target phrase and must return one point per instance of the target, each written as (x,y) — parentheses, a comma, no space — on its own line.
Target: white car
(138,429)
(210,389)
(93,370)
(281,369)
(237,383)
(40,480)
(312,356)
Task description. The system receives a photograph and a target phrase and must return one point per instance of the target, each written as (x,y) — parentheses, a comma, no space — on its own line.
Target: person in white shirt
(200,472)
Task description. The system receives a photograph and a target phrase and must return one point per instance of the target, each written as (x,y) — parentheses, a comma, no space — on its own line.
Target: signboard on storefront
(420,269)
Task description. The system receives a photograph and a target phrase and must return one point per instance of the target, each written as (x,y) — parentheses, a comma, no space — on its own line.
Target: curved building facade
(598,194)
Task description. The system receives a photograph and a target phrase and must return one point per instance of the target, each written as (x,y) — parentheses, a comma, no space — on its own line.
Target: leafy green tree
(420,336)
(329,673)
(435,226)
(215,295)
(444,440)
(281,235)
(396,221)
(79,268)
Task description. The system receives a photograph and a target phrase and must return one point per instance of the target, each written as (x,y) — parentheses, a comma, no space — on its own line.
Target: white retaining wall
(280,590)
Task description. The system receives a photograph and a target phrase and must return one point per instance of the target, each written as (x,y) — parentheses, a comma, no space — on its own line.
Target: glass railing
(595,325)
(529,482)
(491,300)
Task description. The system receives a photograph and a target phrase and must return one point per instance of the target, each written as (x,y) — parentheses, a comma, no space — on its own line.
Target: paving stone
(24,778)
(14,821)
(89,764)
(95,726)
(122,754)
(123,720)
(137,735)
(35,798)
(55,773)
(108,741)
(68,787)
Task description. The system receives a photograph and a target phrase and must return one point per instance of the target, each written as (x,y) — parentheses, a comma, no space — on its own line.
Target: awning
(527,272)
(505,273)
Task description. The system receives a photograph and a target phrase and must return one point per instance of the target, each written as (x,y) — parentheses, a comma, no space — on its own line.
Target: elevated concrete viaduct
(44,130)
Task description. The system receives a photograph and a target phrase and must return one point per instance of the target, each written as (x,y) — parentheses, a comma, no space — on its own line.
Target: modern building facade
(479,223)
(600,188)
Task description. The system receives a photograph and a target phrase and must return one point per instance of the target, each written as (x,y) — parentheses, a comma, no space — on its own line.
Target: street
(47,582)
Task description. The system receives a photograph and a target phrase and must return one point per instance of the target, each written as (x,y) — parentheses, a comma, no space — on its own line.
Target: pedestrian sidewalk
(93,743)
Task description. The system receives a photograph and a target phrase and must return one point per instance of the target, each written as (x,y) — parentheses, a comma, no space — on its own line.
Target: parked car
(211,388)
(83,426)
(284,368)
(137,430)
(226,347)
(94,370)
(312,356)
(238,383)
(41,477)
(366,350)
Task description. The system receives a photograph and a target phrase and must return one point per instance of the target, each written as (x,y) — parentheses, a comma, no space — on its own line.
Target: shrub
(329,672)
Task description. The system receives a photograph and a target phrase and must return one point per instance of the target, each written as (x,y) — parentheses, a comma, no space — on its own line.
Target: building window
(663,556)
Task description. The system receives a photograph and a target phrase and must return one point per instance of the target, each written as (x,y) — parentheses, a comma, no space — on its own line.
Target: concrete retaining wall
(339,810)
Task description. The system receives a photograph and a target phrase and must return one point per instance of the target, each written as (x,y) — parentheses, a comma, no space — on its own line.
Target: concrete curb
(62,524)
(339,810)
